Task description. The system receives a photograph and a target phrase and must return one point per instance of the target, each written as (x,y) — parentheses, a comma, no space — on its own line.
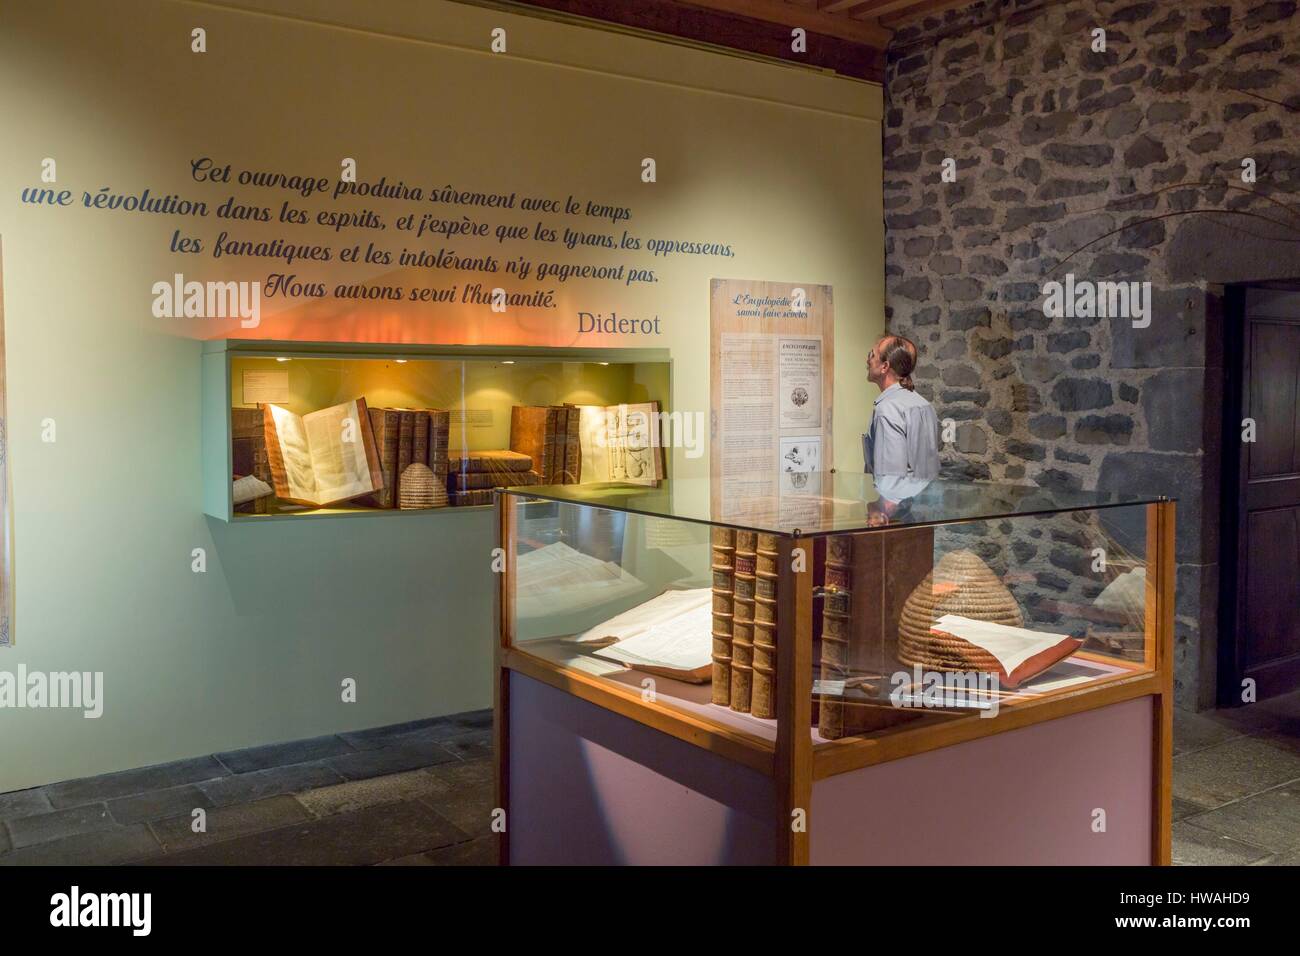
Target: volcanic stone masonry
(1056,146)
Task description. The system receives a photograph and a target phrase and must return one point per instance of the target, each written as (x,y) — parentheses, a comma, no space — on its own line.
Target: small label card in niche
(265,387)
(471,417)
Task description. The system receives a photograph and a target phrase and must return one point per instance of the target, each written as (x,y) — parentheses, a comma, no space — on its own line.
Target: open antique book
(621,443)
(1021,653)
(323,457)
(669,635)
(556,579)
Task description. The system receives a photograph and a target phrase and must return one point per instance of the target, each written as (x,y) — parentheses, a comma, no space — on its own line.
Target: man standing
(904,438)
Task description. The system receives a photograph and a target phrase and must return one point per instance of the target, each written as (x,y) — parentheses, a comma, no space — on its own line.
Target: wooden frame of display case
(794,761)
(216,390)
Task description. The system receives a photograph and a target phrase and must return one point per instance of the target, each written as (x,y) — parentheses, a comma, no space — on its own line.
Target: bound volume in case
(323,457)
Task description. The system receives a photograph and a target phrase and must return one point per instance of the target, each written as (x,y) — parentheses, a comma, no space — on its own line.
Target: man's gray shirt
(904,436)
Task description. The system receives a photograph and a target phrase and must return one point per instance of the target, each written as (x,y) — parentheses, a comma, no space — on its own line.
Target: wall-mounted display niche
(297,429)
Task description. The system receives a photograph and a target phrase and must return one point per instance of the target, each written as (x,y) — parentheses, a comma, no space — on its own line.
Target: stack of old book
(248,455)
(406,436)
(549,436)
(724,591)
(473,474)
(836,618)
(744,621)
(572,444)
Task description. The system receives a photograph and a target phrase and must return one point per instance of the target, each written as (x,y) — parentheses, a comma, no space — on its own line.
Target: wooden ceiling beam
(868,33)
(839,6)
(894,12)
(845,8)
(705,21)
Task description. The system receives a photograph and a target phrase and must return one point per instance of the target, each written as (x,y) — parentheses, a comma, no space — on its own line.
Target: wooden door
(1266,614)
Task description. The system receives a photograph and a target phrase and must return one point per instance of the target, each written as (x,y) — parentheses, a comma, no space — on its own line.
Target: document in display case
(917,672)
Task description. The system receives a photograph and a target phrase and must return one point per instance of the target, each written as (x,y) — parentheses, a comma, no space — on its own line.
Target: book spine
(836,615)
(549,470)
(405,447)
(724,584)
(461,499)
(561,444)
(383,423)
(439,448)
(763,695)
(573,447)
(475,480)
(742,622)
(248,454)
(420,438)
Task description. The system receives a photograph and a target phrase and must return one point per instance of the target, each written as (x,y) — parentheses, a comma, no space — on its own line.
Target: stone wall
(1055,146)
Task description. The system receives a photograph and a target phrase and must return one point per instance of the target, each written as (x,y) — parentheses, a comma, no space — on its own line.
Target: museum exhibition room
(663,432)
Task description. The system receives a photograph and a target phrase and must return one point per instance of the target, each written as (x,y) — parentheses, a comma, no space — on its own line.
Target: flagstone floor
(1237,785)
(421,794)
(417,793)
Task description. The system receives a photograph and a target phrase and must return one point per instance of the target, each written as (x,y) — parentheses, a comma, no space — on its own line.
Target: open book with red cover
(1020,652)
(323,457)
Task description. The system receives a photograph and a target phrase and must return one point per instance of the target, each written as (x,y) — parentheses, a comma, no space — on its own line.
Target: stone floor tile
(102,848)
(1196,847)
(375,763)
(474,719)
(1198,731)
(1184,808)
(24,803)
(435,728)
(1231,770)
(57,824)
(5,843)
(227,823)
(476,771)
(468,746)
(363,837)
(1274,716)
(413,859)
(1286,858)
(158,804)
(357,794)
(481,851)
(285,754)
(1270,819)
(258,784)
(469,808)
(478,852)
(73,793)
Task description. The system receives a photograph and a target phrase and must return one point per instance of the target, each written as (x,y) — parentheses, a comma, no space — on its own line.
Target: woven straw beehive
(959,584)
(417,488)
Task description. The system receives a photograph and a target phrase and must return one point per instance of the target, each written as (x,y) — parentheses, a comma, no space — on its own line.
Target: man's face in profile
(876,366)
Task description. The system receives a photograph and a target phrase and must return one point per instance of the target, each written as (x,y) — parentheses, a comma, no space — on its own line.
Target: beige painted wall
(783,165)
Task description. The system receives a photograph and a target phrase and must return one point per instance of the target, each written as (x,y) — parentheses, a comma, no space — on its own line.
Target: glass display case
(297,429)
(858,622)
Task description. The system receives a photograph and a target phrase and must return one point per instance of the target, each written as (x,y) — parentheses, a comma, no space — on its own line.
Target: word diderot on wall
(293,254)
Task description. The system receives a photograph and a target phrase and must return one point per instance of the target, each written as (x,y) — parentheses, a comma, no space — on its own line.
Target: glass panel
(628,599)
(976,616)
(845,501)
(454,416)
(906,622)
